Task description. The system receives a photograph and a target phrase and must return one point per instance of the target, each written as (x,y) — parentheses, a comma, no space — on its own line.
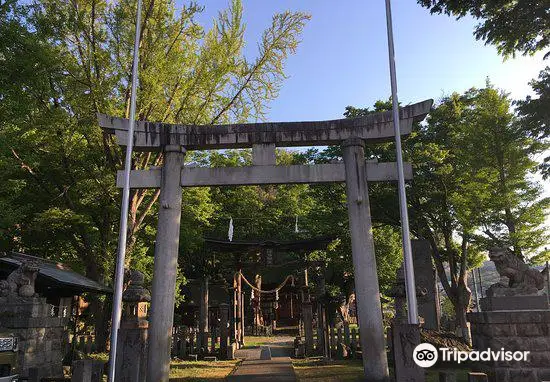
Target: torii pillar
(166,264)
(367,289)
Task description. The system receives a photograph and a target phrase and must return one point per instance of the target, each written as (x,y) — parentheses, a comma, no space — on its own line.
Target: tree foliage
(473,166)
(71,59)
(534,113)
(512,26)
(61,62)
(472,189)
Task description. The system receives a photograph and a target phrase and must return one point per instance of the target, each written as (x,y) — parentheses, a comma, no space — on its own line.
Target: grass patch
(98,356)
(319,369)
(256,341)
(200,370)
(193,371)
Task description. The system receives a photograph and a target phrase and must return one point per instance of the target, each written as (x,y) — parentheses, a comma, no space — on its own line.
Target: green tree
(512,26)
(471,189)
(501,156)
(534,113)
(472,166)
(64,61)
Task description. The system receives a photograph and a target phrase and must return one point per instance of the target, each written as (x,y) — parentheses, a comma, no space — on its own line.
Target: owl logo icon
(425,355)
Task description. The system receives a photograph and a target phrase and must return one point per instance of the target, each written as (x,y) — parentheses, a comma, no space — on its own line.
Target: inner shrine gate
(263,138)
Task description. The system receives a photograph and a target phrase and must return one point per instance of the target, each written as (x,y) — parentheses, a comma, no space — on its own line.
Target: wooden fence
(342,342)
(85,343)
(186,341)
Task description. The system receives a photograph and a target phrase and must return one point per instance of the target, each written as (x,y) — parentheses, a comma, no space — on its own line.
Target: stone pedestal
(87,370)
(521,330)
(42,338)
(535,302)
(131,361)
(307,318)
(405,338)
(131,364)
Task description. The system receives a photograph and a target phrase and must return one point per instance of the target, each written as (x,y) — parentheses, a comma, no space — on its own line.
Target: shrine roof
(53,277)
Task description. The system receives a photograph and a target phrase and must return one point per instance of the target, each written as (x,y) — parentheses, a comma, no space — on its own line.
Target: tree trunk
(457,288)
(203,324)
(99,310)
(258,318)
(463,297)
(102,324)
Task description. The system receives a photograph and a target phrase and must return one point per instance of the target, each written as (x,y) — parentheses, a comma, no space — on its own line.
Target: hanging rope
(276,290)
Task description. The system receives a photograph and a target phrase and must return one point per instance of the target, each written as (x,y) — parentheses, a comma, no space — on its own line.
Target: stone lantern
(136,298)
(131,362)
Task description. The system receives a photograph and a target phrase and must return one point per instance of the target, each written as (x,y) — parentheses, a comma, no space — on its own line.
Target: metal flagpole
(407,252)
(119,276)
(473,273)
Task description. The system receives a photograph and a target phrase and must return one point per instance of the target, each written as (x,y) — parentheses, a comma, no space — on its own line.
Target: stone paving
(278,368)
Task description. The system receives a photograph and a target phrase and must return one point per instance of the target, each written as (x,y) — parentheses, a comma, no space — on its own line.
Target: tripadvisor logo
(426,355)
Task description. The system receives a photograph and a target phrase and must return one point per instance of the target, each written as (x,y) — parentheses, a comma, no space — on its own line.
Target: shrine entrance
(263,138)
(271,291)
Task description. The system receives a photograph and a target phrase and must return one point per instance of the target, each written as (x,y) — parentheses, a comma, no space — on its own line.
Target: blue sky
(342,59)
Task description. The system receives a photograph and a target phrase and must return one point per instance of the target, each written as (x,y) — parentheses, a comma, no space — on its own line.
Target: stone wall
(514,331)
(42,339)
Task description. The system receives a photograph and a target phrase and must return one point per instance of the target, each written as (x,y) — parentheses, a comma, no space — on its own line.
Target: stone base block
(265,353)
(231,349)
(447,376)
(523,331)
(507,303)
(131,362)
(405,338)
(43,340)
(87,371)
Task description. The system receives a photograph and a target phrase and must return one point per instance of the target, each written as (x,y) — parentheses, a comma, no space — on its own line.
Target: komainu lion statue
(21,281)
(522,279)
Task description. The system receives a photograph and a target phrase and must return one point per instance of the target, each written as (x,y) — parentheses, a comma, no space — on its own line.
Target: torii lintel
(376,127)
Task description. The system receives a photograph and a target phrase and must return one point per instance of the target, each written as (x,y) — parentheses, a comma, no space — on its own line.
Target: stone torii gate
(263,138)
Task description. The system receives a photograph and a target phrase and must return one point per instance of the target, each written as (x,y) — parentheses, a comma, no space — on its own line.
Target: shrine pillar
(367,290)
(166,265)
(203,323)
(307,319)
